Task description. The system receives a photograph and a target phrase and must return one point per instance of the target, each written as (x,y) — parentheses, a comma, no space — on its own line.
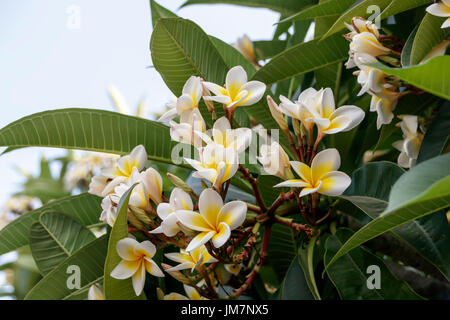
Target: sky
(65,53)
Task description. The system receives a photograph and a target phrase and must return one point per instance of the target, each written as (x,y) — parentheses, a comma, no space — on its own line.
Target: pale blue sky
(45,65)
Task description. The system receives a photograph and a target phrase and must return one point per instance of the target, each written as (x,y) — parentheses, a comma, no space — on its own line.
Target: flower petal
(170,225)
(181,200)
(324,162)
(163,210)
(200,240)
(138,280)
(236,78)
(334,183)
(153,268)
(181,266)
(303,170)
(327,102)
(255,91)
(193,220)
(125,249)
(145,248)
(439,10)
(125,269)
(308,190)
(354,114)
(233,214)
(179,257)
(209,205)
(294,183)
(193,87)
(169,115)
(221,237)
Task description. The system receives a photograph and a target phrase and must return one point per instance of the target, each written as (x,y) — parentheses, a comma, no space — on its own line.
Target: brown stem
(254,183)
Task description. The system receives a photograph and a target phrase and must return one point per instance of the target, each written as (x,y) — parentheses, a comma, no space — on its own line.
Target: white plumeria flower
(187,102)
(109,213)
(275,161)
(191,292)
(215,220)
(321,177)
(190,260)
(179,200)
(361,25)
(184,132)
(384,103)
(370,78)
(123,169)
(409,147)
(237,139)
(297,109)
(245,46)
(237,91)
(171,111)
(441,9)
(98,184)
(137,258)
(217,164)
(320,104)
(95,293)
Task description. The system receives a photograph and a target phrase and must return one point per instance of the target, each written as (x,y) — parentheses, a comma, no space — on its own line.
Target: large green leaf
(118,289)
(282,249)
(266,49)
(397,6)
(407,49)
(437,134)
(419,192)
(89,129)
(431,76)
(159,11)
(303,58)
(85,208)
(359,10)
(89,259)
(55,237)
(306,260)
(349,274)
(327,8)
(369,191)
(429,34)
(295,285)
(283,6)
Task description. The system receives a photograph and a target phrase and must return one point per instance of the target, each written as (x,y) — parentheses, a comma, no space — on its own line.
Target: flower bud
(179,183)
(277,114)
(177,275)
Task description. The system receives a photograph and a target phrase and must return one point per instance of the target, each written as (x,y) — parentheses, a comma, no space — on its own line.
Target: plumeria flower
(409,147)
(123,169)
(277,113)
(184,132)
(275,161)
(320,105)
(191,292)
(245,46)
(441,9)
(137,258)
(215,220)
(190,260)
(297,109)
(222,134)
(370,78)
(95,293)
(187,102)
(217,164)
(384,103)
(321,177)
(109,213)
(179,200)
(149,187)
(237,91)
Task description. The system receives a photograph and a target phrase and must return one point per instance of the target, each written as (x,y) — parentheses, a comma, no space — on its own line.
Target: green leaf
(266,49)
(431,76)
(359,10)
(327,8)
(159,11)
(437,134)
(85,208)
(282,249)
(419,192)
(89,129)
(406,51)
(115,289)
(398,6)
(306,257)
(303,58)
(295,285)
(55,237)
(350,273)
(283,6)
(429,35)
(369,191)
(90,260)
(371,185)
